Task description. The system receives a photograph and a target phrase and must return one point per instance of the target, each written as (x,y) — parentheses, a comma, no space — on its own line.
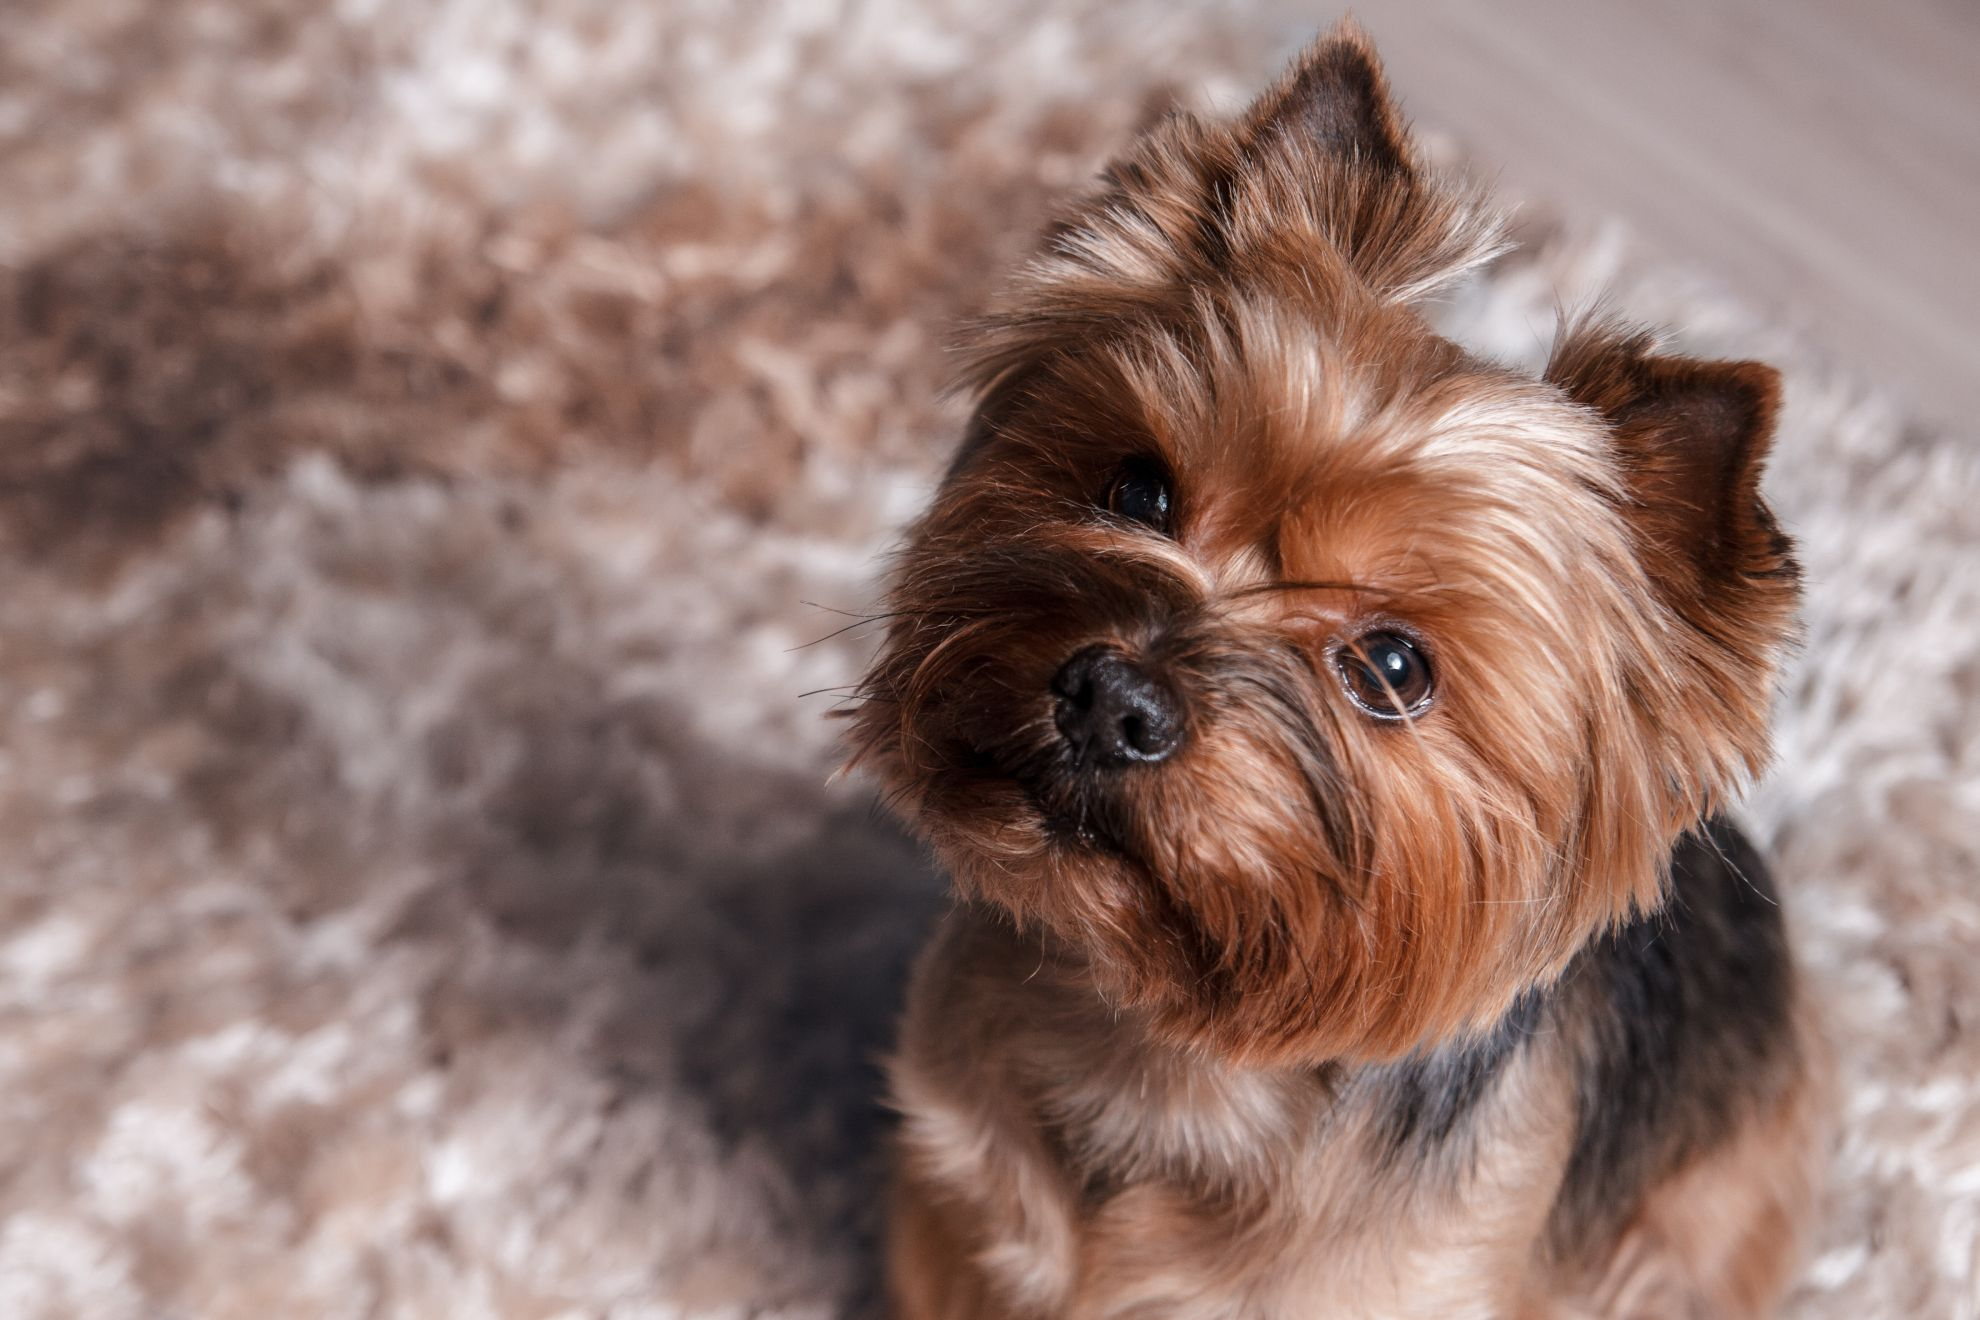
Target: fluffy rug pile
(422,427)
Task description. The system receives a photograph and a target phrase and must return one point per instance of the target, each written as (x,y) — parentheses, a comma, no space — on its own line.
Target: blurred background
(1822,157)
(447,450)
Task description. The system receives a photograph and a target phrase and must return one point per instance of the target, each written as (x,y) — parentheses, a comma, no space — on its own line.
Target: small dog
(1326,731)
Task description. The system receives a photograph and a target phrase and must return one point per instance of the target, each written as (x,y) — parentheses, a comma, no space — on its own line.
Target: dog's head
(1321,685)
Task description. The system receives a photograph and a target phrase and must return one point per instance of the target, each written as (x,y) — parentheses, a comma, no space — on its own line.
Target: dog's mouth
(1056,795)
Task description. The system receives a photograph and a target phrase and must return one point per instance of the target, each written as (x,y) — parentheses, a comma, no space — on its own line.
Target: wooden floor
(1821,157)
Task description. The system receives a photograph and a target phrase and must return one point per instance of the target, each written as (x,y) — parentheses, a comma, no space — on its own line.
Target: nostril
(1074,682)
(1148,739)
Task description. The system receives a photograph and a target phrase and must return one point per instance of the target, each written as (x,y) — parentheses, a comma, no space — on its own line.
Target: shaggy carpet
(435,438)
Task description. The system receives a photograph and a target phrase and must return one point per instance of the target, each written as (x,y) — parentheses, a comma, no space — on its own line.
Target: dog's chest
(1264,1197)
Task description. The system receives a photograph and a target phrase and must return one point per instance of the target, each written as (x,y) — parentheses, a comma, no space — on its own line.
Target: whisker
(1267,588)
(840,687)
(834,609)
(836,632)
(858,619)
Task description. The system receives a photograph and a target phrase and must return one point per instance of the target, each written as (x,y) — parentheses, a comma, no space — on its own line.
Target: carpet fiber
(430,434)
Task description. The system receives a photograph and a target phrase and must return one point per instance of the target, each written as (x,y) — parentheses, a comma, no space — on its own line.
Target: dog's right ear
(1327,141)
(1315,185)
(1321,160)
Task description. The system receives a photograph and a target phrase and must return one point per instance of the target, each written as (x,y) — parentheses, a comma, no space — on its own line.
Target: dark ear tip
(1619,372)
(1336,95)
(1343,57)
(1737,397)
(1759,383)
(1348,32)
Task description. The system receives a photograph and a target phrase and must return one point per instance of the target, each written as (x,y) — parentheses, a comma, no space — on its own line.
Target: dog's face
(1322,686)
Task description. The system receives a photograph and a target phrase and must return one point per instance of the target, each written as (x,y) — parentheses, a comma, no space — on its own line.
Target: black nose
(1112,712)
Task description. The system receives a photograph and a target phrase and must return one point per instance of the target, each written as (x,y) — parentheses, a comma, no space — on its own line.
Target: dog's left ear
(1691,438)
(1336,98)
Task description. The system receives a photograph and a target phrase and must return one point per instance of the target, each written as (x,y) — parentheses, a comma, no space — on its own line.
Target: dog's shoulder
(1683,1019)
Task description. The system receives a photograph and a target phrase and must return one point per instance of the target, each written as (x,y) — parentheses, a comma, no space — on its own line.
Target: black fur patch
(1686,1017)
(1432,1094)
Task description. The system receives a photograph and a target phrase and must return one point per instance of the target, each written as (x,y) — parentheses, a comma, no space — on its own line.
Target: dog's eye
(1386,674)
(1140,493)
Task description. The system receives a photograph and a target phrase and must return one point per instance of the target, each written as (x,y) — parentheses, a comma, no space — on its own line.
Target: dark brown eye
(1140,493)
(1386,674)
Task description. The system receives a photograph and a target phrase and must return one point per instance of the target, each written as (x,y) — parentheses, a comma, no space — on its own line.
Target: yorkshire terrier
(1327,732)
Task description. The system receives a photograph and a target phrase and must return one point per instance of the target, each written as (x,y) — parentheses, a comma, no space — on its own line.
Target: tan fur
(931,1263)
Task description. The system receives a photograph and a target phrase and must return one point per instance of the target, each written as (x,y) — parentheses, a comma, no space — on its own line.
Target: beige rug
(422,425)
